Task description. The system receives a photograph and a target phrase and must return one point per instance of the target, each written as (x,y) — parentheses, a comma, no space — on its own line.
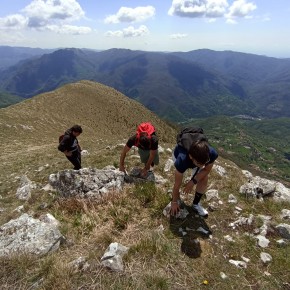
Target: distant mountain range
(177,86)
(12,55)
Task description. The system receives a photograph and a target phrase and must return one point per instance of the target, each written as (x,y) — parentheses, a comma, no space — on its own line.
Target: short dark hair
(199,151)
(77,128)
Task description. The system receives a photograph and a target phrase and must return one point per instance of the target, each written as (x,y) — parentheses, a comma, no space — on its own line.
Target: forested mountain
(12,55)
(176,86)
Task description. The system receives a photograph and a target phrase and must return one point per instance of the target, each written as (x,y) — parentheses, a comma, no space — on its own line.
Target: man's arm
(204,172)
(122,158)
(175,193)
(199,177)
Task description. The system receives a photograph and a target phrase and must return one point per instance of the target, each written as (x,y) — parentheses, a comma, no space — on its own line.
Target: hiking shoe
(200,210)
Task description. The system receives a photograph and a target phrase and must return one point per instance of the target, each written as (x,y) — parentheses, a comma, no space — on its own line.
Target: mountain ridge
(176,86)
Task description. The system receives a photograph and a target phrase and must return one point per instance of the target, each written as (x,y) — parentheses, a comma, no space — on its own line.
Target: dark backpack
(60,138)
(144,129)
(190,135)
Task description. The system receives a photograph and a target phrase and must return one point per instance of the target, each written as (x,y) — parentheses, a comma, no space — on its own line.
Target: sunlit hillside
(166,253)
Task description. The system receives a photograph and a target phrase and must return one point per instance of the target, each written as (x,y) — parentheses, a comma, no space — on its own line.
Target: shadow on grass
(190,229)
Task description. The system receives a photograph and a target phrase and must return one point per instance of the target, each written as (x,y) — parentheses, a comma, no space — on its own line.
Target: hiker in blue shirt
(200,156)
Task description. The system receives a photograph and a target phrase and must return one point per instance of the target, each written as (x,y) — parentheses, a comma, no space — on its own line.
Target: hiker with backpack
(192,151)
(146,141)
(69,145)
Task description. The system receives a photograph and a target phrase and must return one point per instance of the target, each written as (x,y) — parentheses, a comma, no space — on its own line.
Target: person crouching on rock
(192,151)
(146,141)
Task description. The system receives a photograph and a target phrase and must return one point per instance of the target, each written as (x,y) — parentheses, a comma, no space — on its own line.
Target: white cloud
(212,9)
(48,15)
(198,8)
(178,35)
(129,32)
(216,8)
(132,32)
(116,33)
(43,12)
(241,8)
(69,29)
(131,15)
(15,21)
(231,21)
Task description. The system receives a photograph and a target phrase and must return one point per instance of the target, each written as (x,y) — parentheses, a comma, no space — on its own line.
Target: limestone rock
(113,257)
(87,182)
(28,235)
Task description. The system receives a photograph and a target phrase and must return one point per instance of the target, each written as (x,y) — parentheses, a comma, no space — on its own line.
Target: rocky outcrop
(260,187)
(87,182)
(28,235)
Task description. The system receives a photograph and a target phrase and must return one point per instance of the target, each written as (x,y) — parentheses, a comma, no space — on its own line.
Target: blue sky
(252,26)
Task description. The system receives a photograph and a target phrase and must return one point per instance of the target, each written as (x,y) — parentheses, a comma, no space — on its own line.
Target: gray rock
(285,214)
(284,231)
(281,243)
(265,257)
(135,176)
(212,194)
(113,257)
(243,221)
(87,182)
(182,214)
(28,235)
(220,170)
(232,199)
(258,187)
(263,242)
(239,264)
(261,187)
(168,165)
(159,179)
(79,264)
(24,190)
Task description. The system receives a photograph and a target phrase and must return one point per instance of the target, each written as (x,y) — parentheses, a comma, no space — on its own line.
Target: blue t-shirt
(183,162)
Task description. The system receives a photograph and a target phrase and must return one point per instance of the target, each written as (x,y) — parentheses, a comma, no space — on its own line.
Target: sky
(251,26)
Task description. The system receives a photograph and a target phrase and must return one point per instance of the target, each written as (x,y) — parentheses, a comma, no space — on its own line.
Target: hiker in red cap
(147,142)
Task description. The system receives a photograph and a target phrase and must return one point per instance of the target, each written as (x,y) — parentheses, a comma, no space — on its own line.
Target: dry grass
(156,259)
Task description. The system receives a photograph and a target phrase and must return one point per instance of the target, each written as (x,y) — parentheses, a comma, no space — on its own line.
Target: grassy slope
(156,260)
(29,130)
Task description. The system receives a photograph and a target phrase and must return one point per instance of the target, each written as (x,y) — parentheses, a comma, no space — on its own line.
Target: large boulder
(261,187)
(28,235)
(87,182)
